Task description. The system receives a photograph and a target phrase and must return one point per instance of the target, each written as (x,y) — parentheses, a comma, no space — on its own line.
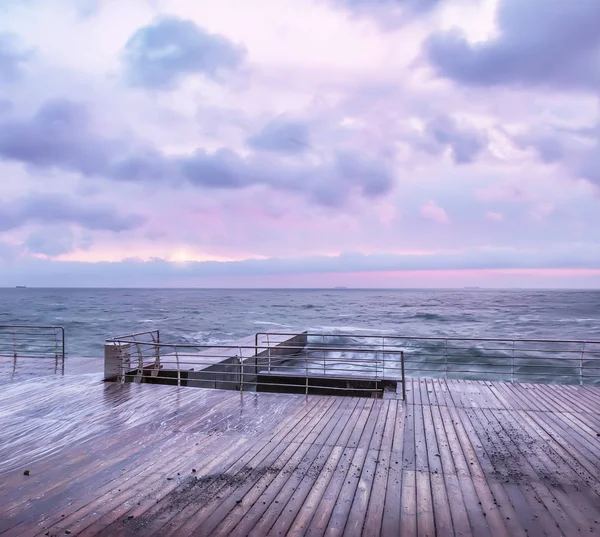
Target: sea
(218,316)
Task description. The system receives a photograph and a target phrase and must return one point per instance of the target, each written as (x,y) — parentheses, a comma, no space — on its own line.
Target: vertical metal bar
(383,351)
(512,363)
(403,376)
(324,355)
(122,360)
(14,343)
(178,368)
(140,361)
(241,371)
(581,364)
(446,361)
(62,331)
(157,352)
(269,351)
(306,367)
(55,344)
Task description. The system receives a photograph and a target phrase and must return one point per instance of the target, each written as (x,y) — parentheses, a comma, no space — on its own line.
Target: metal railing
(283,367)
(29,341)
(514,360)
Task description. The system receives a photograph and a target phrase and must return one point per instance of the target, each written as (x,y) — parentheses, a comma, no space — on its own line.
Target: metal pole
(403,376)
(157,352)
(446,361)
(512,364)
(581,364)
(306,367)
(14,343)
(241,371)
(62,330)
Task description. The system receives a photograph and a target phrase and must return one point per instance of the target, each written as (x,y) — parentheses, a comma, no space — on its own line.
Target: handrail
(154,334)
(239,366)
(30,341)
(440,338)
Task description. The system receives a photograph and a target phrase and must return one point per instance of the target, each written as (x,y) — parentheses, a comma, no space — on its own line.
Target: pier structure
(83,456)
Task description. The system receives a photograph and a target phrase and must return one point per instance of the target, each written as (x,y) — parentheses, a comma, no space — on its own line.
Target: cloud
(465,142)
(159,55)
(282,136)
(58,135)
(56,209)
(388,13)
(53,242)
(328,182)
(539,43)
(494,216)
(431,211)
(45,272)
(12,58)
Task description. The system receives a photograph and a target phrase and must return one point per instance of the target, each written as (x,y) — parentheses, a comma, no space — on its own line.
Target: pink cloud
(494,216)
(432,211)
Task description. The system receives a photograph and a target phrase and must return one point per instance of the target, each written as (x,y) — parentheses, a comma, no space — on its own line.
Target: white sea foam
(273,324)
(348,329)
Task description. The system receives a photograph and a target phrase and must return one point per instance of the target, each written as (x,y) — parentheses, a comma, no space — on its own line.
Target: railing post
(157,352)
(241,371)
(512,364)
(306,367)
(581,364)
(62,332)
(383,357)
(269,351)
(403,376)
(446,360)
(178,368)
(14,343)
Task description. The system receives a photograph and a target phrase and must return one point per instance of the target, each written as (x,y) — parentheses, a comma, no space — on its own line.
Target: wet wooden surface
(459,458)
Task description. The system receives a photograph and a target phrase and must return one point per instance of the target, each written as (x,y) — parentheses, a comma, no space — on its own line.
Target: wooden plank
(207,518)
(365,487)
(313,500)
(482,505)
(536,492)
(458,512)
(392,505)
(511,500)
(441,506)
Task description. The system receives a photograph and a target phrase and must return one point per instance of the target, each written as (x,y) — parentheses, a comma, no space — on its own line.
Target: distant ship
(340,287)
(472,287)
(21,287)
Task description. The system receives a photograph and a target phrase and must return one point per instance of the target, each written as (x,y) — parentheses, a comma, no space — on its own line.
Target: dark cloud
(442,131)
(539,43)
(157,56)
(388,13)
(57,209)
(12,58)
(51,242)
(58,135)
(282,136)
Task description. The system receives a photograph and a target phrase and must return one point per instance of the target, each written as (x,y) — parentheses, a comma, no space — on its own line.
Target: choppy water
(207,316)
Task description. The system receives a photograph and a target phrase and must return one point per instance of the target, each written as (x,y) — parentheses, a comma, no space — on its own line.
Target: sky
(300,143)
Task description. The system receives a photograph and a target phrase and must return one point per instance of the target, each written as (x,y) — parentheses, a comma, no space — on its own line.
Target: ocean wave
(342,329)
(429,317)
(273,324)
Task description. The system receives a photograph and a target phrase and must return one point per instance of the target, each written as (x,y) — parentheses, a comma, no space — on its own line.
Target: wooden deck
(460,458)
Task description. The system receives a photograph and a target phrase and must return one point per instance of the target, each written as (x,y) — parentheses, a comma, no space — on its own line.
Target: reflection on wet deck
(460,458)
